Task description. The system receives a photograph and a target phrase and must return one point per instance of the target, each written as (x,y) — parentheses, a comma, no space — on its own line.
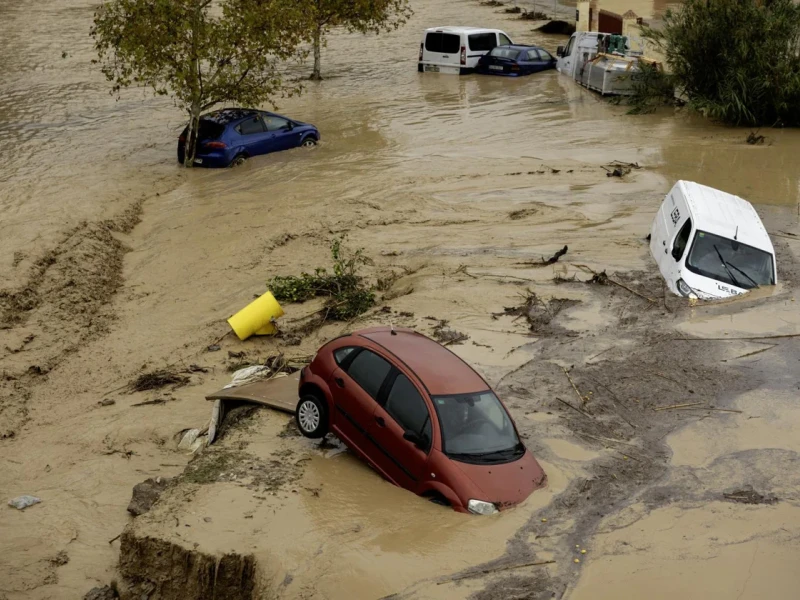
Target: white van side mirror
(560,51)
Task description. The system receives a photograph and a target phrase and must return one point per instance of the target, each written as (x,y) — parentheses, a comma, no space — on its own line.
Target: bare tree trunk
(317,74)
(194,112)
(190,149)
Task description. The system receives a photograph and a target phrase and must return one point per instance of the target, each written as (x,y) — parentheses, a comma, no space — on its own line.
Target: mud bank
(159,569)
(63,302)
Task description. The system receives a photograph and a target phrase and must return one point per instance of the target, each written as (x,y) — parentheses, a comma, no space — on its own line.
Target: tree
(736,60)
(200,52)
(356,15)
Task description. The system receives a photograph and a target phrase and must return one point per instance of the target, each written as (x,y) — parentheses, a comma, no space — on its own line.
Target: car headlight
(685,290)
(479,507)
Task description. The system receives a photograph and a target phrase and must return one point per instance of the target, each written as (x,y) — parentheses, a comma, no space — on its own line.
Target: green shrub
(348,295)
(736,60)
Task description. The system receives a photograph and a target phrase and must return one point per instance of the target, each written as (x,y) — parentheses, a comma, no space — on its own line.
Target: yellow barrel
(256,317)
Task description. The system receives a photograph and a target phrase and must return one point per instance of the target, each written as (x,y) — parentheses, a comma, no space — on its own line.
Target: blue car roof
(520,47)
(228,116)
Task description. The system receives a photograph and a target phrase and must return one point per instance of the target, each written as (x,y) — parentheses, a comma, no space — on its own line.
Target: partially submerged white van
(710,244)
(457,50)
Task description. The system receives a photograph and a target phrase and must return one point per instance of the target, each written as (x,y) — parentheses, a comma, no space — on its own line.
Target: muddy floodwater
(678,475)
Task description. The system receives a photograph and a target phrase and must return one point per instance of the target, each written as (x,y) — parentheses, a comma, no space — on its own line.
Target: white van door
(441,52)
(678,227)
(566,61)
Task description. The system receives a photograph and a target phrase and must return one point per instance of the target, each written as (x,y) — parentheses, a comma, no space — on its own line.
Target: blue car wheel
(238,160)
(309,142)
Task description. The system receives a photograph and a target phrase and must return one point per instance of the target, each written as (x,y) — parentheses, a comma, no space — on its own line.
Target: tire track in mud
(63,302)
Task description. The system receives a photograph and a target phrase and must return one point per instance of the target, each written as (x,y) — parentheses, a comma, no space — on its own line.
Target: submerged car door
(281,133)
(402,409)
(254,137)
(355,387)
(541,59)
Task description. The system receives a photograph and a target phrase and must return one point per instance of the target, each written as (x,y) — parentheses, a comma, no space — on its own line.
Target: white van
(457,50)
(710,244)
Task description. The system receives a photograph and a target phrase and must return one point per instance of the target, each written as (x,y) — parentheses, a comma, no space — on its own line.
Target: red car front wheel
(312,417)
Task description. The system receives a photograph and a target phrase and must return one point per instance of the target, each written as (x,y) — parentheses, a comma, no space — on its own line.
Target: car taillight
(220,145)
(421,47)
(515,67)
(463,55)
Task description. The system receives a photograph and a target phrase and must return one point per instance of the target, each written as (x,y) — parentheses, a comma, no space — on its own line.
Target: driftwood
(574,387)
(676,406)
(726,339)
(483,572)
(546,261)
(583,412)
(602,278)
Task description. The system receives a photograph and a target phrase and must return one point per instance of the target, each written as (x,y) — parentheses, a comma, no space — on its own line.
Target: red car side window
(340,355)
(369,371)
(406,406)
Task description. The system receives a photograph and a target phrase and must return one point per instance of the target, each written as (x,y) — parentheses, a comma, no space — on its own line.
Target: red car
(420,416)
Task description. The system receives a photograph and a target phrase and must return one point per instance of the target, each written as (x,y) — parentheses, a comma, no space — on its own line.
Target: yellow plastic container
(256,318)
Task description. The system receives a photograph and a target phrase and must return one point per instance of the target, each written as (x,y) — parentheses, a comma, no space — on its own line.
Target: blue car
(230,136)
(515,60)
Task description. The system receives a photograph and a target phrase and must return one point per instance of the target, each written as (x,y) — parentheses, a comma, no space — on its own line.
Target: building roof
(442,372)
(722,213)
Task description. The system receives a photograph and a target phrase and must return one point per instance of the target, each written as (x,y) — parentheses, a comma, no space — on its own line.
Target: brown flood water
(420,170)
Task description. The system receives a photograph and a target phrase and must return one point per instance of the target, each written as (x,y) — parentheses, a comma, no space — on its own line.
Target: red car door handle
(380,421)
(340,382)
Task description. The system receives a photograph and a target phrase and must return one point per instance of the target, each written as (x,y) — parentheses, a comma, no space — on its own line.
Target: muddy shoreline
(117,263)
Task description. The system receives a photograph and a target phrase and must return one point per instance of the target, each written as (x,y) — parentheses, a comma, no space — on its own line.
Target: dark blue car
(515,60)
(230,136)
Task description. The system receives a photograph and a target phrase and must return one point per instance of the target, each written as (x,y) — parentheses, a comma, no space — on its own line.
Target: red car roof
(442,372)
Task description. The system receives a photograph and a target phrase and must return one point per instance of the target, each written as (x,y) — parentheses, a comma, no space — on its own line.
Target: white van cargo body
(457,50)
(709,244)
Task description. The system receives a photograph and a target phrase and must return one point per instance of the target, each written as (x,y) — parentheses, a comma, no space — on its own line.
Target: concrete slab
(279,393)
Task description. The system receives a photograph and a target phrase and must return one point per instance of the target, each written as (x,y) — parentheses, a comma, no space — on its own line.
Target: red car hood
(506,484)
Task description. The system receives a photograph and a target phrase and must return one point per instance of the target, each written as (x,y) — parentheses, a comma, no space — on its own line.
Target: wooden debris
(676,406)
(483,572)
(583,412)
(603,278)
(549,261)
(575,387)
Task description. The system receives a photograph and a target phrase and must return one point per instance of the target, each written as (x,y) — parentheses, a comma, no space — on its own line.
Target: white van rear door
(442,50)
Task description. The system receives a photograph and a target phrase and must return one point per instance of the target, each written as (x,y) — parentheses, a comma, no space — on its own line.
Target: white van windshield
(730,261)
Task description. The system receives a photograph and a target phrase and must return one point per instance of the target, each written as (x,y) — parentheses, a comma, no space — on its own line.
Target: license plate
(495,67)
(198,161)
(432,68)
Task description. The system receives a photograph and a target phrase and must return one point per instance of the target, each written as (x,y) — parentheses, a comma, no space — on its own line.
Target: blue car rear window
(505,53)
(209,130)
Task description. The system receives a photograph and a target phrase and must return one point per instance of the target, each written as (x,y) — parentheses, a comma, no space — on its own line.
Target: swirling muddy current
(116,261)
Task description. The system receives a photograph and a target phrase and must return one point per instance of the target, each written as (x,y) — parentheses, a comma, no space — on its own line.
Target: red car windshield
(476,426)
